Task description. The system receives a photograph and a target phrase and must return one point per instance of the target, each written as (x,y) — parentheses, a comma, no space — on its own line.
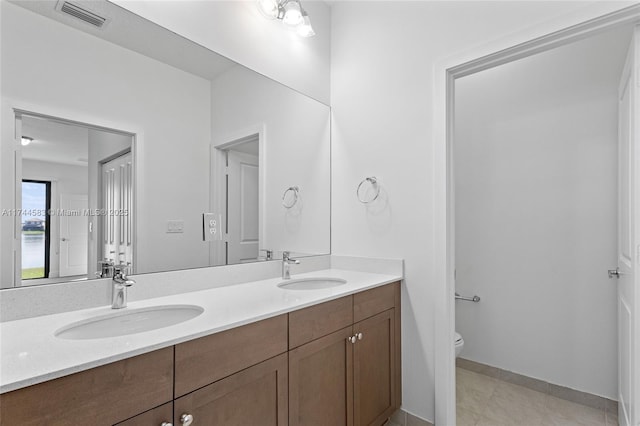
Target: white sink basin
(129,321)
(311,283)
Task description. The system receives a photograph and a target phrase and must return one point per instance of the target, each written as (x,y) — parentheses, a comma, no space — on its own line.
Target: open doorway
(508,50)
(242,216)
(535,148)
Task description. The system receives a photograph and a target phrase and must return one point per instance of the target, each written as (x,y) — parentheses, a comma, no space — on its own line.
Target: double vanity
(320,348)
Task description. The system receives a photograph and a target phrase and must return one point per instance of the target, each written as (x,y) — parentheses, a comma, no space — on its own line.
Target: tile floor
(485,401)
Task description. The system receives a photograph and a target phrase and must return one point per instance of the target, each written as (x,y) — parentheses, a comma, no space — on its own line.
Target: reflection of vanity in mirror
(148,150)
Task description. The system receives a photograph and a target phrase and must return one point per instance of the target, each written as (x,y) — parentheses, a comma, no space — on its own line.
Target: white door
(117,218)
(242,207)
(73,234)
(629,239)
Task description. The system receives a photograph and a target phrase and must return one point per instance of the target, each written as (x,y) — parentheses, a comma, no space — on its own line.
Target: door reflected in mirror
(243,211)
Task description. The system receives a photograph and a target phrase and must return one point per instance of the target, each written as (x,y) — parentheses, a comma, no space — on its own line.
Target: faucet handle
(268,253)
(286,257)
(121,270)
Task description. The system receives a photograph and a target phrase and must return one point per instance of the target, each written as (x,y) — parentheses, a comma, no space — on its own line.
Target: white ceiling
(55,142)
(132,32)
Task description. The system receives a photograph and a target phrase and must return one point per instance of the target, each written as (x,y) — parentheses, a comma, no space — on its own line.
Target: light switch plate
(211,227)
(175,226)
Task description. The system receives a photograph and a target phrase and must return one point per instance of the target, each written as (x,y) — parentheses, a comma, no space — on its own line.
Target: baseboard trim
(403,418)
(561,392)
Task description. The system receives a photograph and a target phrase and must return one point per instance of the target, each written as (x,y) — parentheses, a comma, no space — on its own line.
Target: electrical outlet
(211,227)
(175,226)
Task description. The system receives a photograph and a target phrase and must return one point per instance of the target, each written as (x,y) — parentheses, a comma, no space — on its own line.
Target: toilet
(459,343)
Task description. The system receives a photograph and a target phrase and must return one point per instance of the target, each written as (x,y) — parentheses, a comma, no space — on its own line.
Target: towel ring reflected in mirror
(362,192)
(292,199)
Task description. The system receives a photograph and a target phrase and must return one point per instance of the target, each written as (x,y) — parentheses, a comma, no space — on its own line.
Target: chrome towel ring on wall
(363,191)
(290,201)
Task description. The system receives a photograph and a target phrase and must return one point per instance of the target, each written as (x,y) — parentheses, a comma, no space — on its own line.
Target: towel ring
(374,184)
(295,190)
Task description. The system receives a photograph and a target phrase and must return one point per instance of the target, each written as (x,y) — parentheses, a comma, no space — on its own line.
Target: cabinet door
(374,369)
(255,396)
(320,381)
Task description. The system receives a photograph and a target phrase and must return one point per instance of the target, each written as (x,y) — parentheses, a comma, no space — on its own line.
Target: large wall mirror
(124,143)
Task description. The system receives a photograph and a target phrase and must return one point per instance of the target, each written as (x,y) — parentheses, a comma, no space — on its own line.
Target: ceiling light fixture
(26,140)
(290,12)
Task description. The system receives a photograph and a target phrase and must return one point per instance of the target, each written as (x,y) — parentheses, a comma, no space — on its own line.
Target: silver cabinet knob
(166,424)
(351,339)
(186,419)
(359,336)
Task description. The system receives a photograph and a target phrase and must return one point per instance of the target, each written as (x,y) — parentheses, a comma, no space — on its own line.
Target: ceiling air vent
(81,13)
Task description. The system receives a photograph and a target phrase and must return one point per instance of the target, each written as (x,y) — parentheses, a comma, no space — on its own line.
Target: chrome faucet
(106,269)
(286,262)
(268,254)
(120,284)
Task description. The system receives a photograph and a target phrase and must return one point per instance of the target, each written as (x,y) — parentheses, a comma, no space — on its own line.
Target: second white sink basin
(129,321)
(311,283)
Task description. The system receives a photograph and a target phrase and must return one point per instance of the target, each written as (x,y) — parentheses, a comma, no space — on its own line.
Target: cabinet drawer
(154,417)
(316,321)
(101,396)
(372,302)
(208,359)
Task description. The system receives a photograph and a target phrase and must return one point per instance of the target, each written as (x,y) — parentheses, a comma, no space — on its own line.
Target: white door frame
(585,22)
(217,169)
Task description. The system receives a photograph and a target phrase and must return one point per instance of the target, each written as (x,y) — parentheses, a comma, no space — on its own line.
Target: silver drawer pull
(166,424)
(186,419)
(359,336)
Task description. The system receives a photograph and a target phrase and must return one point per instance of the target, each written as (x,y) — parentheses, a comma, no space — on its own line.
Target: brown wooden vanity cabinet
(350,375)
(101,396)
(335,363)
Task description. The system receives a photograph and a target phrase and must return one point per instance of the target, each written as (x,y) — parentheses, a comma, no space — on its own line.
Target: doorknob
(614,273)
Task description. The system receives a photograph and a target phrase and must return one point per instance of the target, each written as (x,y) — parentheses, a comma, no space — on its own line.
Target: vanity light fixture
(290,12)
(26,140)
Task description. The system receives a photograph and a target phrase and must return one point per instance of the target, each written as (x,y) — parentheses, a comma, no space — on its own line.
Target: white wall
(295,127)
(536,196)
(77,76)
(65,179)
(383,56)
(237,30)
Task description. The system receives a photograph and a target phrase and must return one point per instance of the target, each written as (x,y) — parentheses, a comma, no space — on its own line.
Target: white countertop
(30,353)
